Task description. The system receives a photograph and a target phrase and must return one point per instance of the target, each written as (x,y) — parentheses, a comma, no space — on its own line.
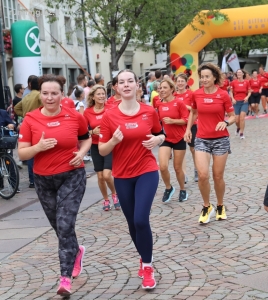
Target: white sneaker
(236,133)
(242,137)
(86,158)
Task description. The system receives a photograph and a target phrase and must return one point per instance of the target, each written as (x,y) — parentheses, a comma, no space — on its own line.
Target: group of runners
(122,133)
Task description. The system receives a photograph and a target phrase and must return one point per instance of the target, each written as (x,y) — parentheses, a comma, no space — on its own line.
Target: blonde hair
(90,96)
(170,83)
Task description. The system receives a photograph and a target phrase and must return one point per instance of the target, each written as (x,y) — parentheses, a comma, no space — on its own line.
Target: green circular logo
(32,41)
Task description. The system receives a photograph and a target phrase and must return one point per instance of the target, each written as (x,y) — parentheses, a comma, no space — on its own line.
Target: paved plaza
(220,260)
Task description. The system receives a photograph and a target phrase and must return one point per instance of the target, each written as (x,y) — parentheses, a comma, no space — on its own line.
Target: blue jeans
(240,106)
(30,163)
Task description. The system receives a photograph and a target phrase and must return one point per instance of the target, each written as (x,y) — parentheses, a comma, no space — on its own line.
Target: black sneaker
(168,194)
(18,191)
(265,111)
(183,196)
(31,185)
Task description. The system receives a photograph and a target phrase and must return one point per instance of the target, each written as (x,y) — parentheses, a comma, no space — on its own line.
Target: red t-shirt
(113,100)
(225,84)
(240,89)
(130,157)
(264,79)
(174,109)
(155,100)
(211,109)
(255,85)
(67,102)
(93,120)
(66,128)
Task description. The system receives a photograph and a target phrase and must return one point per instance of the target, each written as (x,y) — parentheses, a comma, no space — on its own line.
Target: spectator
(28,89)
(158,77)
(78,101)
(19,92)
(65,101)
(151,78)
(70,89)
(82,83)
(89,86)
(99,79)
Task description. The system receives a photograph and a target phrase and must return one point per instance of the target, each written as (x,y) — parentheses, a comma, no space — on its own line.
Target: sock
(237,129)
(146,265)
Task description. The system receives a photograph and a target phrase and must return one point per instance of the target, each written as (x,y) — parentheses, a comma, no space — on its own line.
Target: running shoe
(185,179)
(168,194)
(148,281)
(31,185)
(117,205)
(265,111)
(237,131)
(252,113)
(64,288)
(257,116)
(195,176)
(140,272)
(18,191)
(220,213)
(86,158)
(183,196)
(106,205)
(206,214)
(78,264)
(242,137)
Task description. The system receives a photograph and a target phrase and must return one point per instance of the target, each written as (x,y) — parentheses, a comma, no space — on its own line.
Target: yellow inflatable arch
(186,45)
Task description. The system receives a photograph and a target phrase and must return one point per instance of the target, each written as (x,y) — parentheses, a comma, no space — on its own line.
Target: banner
(26,51)
(233,62)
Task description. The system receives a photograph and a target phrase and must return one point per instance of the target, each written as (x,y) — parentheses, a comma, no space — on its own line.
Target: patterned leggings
(60,196)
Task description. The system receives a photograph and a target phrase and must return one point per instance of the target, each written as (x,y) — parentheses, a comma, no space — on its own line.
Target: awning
(158,66)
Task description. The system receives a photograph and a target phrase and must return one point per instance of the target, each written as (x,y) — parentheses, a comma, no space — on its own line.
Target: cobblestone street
(220,260)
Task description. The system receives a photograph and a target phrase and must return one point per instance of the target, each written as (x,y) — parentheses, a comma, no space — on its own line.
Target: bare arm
(174,121)
(84,146)
(191,120)
(106,148)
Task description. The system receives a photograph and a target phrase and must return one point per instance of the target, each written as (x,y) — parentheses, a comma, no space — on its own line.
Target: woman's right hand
(117,136)
(45,144)
(188,136)
(96,130)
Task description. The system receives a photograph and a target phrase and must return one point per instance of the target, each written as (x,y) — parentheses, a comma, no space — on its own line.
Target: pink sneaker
(117,205)
(148,281)
(106,205)
(78,264)
(140,272)
(64,288)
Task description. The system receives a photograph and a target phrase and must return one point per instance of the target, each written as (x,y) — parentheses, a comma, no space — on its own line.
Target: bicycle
(9,172)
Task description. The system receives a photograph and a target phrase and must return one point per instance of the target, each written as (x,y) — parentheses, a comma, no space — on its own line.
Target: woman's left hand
(77,160)
(152,142)
(168,120)
(221,126)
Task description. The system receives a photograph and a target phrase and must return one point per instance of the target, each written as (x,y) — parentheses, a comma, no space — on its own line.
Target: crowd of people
(57,132)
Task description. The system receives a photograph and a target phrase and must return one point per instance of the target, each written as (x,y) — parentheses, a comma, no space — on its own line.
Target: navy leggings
(136,196)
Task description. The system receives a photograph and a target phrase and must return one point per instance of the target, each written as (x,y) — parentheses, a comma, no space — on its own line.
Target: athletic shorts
(254,98)
(217,147)
(193,130)
(181,145)
(100,162)
(240,106)
(264,92)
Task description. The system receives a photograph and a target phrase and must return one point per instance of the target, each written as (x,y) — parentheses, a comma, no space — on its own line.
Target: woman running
(174,115)
(240,93)
(185,95)
(212,139)
(263,77)
(102,164)
(255,97)
(130,131)
(57,137)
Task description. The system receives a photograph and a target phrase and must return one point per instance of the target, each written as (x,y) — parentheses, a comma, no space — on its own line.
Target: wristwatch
(227,122)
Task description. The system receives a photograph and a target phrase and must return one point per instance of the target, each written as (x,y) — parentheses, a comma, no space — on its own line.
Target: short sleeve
(86,116)
(232,85)
(228,106)
(25,131)
(105,131)
(82,129)
(193,103)
(189,100)
(156,128)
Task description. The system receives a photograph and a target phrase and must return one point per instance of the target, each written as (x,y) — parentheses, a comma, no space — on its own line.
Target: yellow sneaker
(206,213)
(221,214)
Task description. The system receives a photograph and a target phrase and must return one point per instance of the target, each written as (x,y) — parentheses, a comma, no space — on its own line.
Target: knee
(178,169)
(217,177)
(141,224)
(163,167)
(107,176)
(100,177)
(203,177)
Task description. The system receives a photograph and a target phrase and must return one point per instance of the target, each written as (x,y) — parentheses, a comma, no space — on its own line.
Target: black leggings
(136,196)
(60,196)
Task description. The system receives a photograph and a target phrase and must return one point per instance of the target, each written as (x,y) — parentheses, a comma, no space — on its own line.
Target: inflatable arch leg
(185,46)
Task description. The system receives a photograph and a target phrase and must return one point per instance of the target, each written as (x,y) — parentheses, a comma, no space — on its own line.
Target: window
(98,67)
(40,22)
(79,33)
(10,12)
(129,66)
(46,71)
(56,71)
(53,26)
(71,75)
(68,30)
